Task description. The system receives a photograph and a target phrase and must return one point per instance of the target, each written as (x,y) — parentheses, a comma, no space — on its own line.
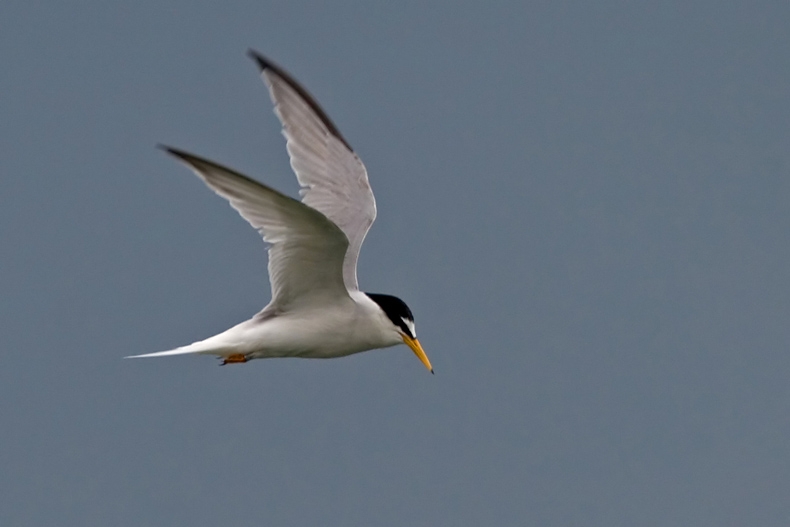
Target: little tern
(316,308)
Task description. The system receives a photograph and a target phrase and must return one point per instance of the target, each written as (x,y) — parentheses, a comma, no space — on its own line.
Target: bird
(317,309)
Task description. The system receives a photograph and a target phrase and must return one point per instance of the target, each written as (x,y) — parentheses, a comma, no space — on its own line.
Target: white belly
(329,332)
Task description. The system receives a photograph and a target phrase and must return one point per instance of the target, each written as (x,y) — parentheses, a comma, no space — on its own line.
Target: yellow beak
(414,344)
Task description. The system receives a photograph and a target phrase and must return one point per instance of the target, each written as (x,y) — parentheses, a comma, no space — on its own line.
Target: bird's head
(401,318)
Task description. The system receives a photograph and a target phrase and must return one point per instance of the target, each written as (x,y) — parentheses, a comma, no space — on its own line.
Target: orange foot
(234,359)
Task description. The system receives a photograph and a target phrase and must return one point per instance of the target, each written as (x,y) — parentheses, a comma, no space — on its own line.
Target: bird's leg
(236,358)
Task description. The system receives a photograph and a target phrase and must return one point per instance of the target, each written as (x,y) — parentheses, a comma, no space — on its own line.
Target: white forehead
(410,325)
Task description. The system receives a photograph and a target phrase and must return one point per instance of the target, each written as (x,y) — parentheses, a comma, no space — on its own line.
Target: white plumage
(316,309)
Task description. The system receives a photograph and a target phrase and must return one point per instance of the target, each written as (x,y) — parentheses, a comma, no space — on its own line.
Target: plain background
(585,204)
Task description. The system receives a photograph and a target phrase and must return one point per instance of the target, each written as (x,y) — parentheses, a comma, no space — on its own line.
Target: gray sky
(586,205)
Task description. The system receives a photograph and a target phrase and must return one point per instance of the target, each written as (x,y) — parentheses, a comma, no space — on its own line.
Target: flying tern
(316,308)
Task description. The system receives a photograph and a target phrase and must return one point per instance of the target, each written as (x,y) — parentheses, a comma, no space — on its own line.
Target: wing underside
(334,181)
(306,250)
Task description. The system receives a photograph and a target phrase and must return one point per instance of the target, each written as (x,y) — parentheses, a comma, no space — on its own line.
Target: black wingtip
(186,157)
(265,64)
(262,62)
(432,372)
(164,147)
(175,152)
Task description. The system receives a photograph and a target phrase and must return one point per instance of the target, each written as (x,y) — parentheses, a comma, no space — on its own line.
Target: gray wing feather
(333,179)
(306,250)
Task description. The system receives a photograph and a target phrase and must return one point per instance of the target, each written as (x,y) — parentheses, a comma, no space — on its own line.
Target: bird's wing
(306,250)
(333,179)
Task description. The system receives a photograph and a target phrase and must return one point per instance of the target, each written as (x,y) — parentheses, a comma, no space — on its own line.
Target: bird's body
(324,331)
(317,309)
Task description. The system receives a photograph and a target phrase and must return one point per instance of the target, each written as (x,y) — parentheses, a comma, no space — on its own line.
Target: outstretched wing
(333,179)
(306,250)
